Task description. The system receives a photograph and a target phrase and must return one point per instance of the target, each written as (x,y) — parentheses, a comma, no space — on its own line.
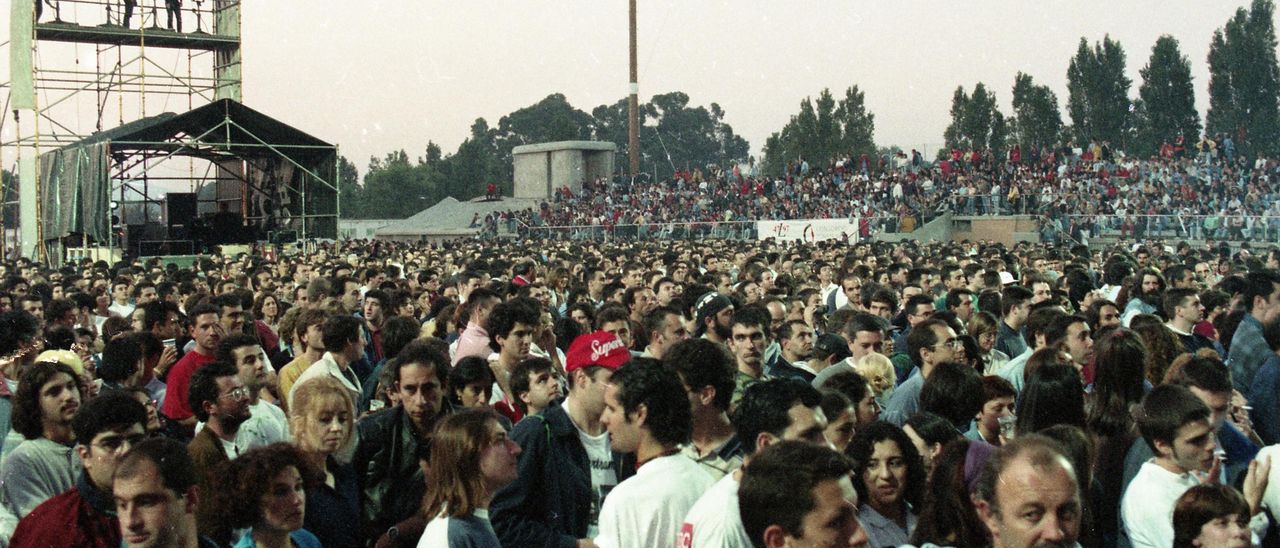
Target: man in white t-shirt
(770,411)
(647,413)
(1176,424)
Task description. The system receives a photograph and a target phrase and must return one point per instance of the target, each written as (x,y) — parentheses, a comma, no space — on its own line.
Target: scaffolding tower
(79,67)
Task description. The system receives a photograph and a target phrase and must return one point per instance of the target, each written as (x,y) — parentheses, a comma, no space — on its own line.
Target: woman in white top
(471,458)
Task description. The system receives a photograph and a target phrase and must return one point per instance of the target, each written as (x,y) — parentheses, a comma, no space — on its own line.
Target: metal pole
(633,103)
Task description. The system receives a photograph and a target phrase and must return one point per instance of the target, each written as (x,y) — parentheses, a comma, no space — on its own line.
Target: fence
(721,230)
(1255,228)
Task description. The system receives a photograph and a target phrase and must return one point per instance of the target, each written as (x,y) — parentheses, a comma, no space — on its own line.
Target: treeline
(674,135)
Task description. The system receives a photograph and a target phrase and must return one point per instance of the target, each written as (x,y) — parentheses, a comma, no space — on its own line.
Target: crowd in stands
(1206,191)
(492,393)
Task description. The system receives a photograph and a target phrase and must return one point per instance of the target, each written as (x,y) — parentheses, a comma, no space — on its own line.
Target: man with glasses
(930,343)
(107,426)
(220,400)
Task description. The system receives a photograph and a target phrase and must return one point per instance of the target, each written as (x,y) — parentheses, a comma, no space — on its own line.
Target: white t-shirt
(647,509)
(709,525)
(266,425)
(603,478)
(1146,509)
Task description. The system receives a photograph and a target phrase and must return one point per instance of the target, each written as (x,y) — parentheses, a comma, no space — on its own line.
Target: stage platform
(155,37)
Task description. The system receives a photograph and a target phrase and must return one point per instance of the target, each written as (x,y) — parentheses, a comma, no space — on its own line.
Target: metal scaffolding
(87,66)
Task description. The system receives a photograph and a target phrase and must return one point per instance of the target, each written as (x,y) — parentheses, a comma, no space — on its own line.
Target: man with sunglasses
(930,343)
(84,516)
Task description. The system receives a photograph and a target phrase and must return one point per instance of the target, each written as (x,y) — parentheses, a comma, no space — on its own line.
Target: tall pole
(633,103)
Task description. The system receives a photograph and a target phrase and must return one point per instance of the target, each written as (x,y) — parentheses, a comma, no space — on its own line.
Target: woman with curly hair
(264,491)
(1162,345)
(889,477)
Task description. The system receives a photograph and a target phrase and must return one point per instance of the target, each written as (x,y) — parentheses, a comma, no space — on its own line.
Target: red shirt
(178,384)
(69,520)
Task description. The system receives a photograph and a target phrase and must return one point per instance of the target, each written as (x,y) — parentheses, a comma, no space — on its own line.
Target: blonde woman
(879,372)
(323,423)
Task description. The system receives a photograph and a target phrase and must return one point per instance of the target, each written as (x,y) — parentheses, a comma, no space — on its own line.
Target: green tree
(1098,92)
(673,134)
(467,173)
(551,119)
(976,121)
(395,188)
(350,193)
(1244,81)
(857,124)
(1166,106)
(1036,120)
(808,135)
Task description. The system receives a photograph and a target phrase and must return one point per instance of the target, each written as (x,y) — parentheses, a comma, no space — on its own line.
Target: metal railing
(700,230)
(1254,228)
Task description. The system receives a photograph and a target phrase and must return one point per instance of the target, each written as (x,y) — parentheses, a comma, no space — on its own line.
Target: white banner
(22,84)
(809,230)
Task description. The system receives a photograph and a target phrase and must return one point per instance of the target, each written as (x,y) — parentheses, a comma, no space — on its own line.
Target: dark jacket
(549,503)
(206,453)
(387,470)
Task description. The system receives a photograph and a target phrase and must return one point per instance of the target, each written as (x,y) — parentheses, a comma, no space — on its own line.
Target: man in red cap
(567,464)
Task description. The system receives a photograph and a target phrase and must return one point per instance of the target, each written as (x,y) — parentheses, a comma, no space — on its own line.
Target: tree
(1244,81)
(810,136)
(857,125)
(551,119)
(673,134)
(350,193)
(1098,92)
(976,121)
(1166,106)
(1036,121)
(395,188)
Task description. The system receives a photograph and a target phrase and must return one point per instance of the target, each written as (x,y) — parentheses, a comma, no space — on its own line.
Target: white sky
(379,75)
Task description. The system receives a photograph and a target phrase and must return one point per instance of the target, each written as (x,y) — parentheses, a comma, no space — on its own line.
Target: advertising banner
(809,230)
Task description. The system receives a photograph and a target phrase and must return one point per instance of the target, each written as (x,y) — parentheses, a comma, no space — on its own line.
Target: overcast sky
(379,75)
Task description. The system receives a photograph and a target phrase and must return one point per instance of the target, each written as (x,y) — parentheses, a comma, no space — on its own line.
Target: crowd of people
(1206,191)
(644,394)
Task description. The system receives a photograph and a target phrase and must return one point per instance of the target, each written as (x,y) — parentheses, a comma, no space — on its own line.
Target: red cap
(599,348)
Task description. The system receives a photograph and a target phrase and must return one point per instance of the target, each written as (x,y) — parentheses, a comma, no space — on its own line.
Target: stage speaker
(181,208)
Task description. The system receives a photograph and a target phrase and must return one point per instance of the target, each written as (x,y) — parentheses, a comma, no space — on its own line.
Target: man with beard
(44,464)
(714,314)
(267,423)
(85,515)
(390,441)
(1147,296)
(219,399)
(796,338)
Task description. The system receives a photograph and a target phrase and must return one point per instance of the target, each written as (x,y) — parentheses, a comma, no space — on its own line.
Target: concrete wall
(1004,229)
(531,174)
(543,168)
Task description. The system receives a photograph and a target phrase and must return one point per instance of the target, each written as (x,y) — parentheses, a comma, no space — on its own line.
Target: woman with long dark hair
(889,477)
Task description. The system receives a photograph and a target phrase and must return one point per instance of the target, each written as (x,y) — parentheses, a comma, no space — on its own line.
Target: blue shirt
(905,400)
(301,538)
(1248,351)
